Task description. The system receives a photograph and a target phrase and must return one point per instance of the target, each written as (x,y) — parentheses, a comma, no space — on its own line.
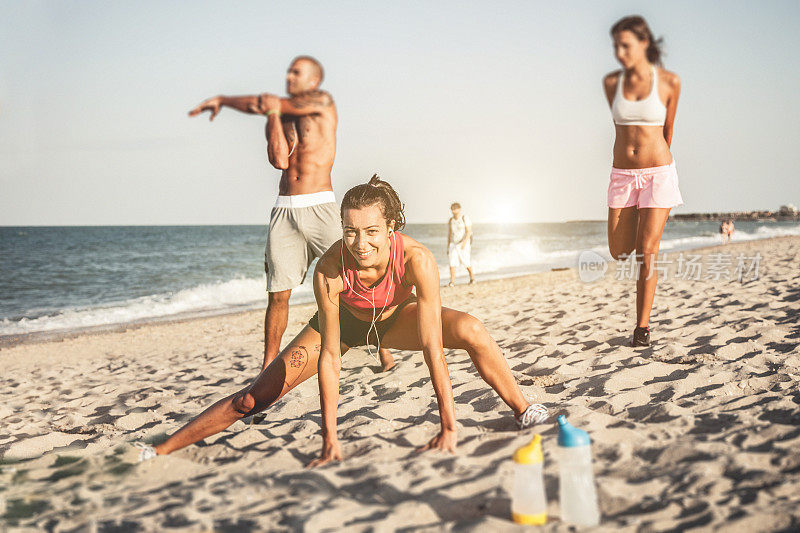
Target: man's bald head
(315,65)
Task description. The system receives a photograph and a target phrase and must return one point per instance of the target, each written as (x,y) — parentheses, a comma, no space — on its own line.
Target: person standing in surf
(644,182)
(363,286)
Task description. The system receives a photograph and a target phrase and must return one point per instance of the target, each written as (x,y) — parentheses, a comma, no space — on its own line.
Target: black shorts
(353,332)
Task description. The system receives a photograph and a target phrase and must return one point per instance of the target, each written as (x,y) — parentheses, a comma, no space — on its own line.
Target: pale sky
(496,105)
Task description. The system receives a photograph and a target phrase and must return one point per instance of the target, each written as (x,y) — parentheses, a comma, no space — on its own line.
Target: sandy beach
(700,430)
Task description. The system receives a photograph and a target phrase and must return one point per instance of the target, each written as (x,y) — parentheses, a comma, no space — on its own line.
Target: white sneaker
(146,452)
(536,413)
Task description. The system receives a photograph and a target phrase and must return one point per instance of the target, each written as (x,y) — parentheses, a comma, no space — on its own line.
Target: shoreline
(750,216)
(8,341)
(210,298)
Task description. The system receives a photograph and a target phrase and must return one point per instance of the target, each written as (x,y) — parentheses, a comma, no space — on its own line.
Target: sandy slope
(702,429)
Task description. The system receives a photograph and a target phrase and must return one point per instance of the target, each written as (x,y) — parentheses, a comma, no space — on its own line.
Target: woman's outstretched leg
(295,364)
(463,331)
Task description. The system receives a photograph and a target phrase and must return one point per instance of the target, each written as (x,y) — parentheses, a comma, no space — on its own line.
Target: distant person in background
(301,143)
(644,183)
(459,242)
(723,231)
(726,230)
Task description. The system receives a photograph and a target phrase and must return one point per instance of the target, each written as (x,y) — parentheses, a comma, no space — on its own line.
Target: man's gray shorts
(302,227)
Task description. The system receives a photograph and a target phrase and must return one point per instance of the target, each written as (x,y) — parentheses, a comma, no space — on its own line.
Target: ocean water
(67,278)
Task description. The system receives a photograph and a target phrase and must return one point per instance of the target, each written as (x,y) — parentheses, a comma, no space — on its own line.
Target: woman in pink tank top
(364,290)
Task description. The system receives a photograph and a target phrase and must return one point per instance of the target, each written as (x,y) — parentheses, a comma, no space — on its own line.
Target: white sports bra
(647,112)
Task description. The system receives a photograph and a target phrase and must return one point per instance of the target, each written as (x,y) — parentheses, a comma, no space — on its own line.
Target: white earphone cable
(373,325)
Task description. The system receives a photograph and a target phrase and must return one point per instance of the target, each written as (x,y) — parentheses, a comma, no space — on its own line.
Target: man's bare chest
(305,130)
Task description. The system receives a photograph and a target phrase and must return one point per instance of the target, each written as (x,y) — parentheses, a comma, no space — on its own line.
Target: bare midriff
(641,147)
(311,161)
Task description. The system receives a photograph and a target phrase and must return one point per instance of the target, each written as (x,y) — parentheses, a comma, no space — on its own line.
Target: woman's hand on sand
(331,451)
(445,440)
(212,105)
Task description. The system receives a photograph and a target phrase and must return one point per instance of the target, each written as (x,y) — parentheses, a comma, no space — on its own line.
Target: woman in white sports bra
(644,183)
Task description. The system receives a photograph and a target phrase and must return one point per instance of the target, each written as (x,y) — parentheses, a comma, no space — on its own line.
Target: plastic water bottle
(528,502)
(576,478)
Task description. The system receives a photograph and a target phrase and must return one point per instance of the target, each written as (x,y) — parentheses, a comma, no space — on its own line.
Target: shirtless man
(305,222)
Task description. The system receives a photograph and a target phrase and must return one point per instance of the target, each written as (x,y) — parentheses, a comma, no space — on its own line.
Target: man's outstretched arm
(245,104)
(277,147)
(305,104)
(302,105)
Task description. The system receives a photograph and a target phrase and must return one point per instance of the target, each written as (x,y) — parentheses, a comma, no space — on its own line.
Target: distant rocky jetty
(786,212)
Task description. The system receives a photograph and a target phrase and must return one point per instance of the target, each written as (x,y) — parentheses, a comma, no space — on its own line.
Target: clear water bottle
(528,502)
(576,478)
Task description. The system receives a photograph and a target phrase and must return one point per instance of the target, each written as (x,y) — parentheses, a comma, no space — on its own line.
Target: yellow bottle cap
(530,453)
(530,519)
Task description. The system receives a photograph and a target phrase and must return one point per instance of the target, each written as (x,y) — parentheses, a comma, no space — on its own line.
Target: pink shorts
(644,187)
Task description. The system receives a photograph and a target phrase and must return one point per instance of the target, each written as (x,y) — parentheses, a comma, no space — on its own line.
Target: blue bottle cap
(570,436)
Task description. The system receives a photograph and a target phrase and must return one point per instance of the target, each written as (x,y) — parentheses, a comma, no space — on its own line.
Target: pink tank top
(389,290)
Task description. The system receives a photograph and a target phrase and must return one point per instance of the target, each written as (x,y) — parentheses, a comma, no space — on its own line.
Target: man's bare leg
(297,363)
(452,276)
(275,320)
(471,275)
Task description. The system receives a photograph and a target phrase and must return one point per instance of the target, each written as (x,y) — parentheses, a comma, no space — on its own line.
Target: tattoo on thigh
(298,359)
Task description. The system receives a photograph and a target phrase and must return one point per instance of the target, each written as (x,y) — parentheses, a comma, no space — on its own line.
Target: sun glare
(505,212)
